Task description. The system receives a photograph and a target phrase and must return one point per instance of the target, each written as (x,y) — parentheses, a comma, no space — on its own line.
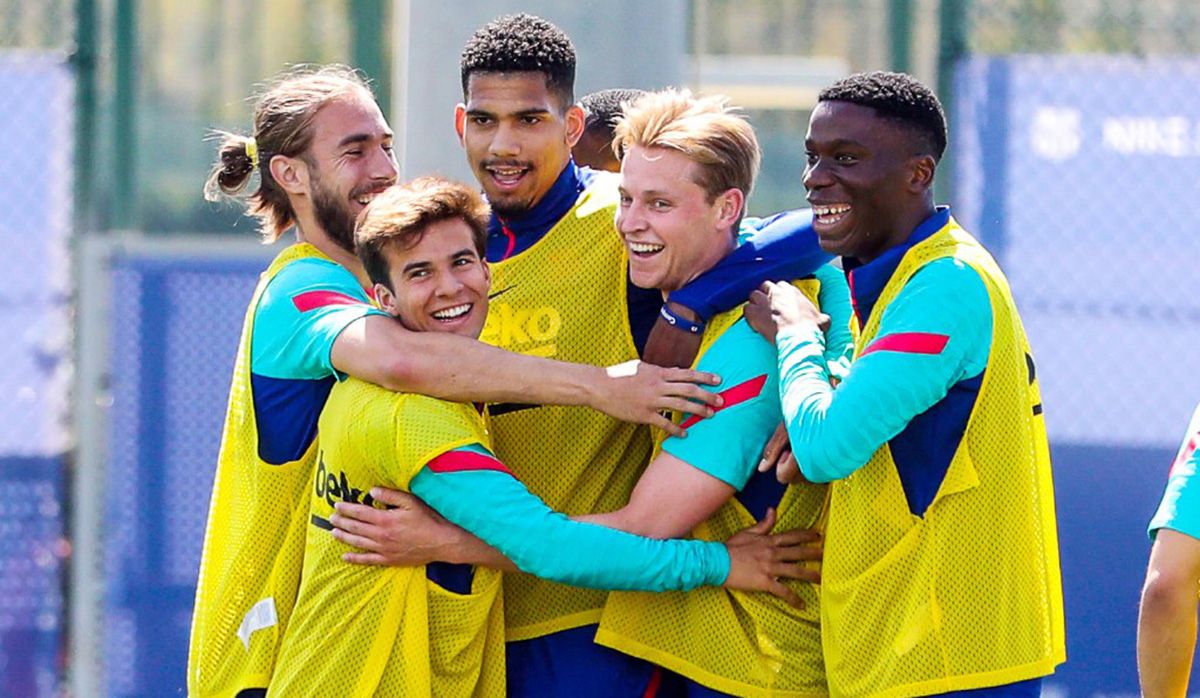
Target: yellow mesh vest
(386,631)
(254,543)
(565,298)
(970,595)
(746,644)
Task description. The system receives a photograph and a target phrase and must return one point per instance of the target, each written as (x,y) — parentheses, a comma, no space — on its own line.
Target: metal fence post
(83,58)
(953,23)
(124,204)
(900,15)
(368,25)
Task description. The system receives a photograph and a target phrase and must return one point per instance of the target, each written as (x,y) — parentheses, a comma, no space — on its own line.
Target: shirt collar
(867,280)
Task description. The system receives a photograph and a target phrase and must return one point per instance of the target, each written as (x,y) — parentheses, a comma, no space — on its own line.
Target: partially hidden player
(393,631)
(601,111)
(941,569)
(1166,641)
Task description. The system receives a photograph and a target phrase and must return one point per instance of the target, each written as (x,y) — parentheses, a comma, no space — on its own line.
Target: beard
(514,204)
(509,208)
(334,216)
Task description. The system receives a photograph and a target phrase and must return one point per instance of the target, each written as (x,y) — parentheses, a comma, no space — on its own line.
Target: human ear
(460,123)
(732,203)
(923,168)
(575,119)
(290,173)
(386,300)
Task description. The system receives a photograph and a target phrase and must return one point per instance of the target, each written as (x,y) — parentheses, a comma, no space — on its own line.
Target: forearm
(555,547)
(499,510)
(824,449)
(1166,639)
(381,351)
(835,432)
(483,373)
(673,497)
(784,246)
(463,548)
(834,301)
(637,523)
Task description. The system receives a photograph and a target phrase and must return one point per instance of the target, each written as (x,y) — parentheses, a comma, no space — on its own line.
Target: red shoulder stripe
(735,395)
(909,343)
(310,300)
(459,461)
(1184,454)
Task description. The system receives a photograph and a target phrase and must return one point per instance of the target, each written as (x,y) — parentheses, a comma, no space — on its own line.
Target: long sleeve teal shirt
(914,386)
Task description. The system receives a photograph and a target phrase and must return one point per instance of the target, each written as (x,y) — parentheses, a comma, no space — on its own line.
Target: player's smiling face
(860,179)
(438,284)
(518,137)
(671,229)
(350,161)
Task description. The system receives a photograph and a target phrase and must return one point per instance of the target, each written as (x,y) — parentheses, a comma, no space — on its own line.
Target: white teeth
(451,313)
(833,210)
(366,199)
(644,247)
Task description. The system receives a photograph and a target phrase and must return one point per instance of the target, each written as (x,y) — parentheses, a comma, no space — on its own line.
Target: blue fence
(36,93)
(1080,173)
(176,321)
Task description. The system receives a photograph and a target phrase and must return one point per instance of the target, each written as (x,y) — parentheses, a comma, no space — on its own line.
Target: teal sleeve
(729,444)
(1180,506)
(835,432)
(300,315)
(834,298)
(495,507)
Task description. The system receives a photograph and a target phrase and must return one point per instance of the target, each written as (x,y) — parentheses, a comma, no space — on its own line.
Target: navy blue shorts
(1021,689)
(570,663)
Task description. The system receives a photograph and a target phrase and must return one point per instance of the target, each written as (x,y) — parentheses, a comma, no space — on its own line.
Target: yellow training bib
(386,631)
(254,543)
(970,594)
(746,644)
(565,298)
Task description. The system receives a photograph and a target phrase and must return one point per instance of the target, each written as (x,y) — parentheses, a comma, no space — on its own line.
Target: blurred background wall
(1075,150)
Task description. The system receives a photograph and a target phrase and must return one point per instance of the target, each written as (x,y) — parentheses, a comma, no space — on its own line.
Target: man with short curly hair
(941,570)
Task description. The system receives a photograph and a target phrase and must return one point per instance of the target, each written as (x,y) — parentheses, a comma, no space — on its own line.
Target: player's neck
(307,230)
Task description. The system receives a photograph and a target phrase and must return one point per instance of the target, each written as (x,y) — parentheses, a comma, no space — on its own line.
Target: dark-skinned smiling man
(941,571)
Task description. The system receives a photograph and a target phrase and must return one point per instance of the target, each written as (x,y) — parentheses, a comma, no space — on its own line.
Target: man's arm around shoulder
(380,350)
